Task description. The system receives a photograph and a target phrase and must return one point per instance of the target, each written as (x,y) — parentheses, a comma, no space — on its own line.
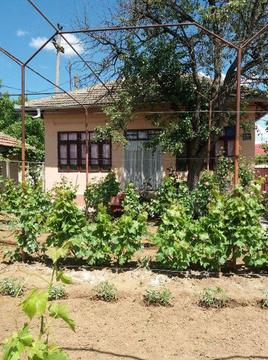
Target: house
(9,168)
(65,154)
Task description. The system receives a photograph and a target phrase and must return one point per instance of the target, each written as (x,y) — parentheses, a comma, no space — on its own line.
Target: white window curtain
(143,166)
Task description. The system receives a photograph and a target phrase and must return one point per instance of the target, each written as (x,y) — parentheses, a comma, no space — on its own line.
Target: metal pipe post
(238,117)
(87,145)
(23,168)
(209,127)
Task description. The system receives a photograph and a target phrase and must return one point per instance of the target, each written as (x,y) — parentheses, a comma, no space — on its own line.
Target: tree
(10,124)
(181,67)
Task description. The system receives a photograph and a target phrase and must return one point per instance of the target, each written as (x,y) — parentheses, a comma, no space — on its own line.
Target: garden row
(211,227)
(215,297)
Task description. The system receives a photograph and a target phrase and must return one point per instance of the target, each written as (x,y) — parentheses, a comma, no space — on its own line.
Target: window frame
(79,142)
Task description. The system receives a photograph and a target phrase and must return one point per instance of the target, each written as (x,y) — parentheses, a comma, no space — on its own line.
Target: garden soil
(128,329)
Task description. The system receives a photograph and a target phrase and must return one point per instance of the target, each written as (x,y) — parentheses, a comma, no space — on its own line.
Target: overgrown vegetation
(105,291)
(213,297)
(11,287)
(157,297)
(101,192)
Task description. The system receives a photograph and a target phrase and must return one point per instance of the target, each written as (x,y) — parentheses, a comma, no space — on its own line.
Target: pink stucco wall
(74,120)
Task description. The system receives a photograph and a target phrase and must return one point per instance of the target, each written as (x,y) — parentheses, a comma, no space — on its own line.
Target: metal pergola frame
(239,50)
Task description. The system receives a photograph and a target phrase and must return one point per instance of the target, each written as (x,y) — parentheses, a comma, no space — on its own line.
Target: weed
(157,297)
(57,292)
(105,291)
(11,287)
(213,297)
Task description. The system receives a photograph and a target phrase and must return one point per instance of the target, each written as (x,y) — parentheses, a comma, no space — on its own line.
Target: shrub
(106,238)
(173,238)
(65,219)
(11,287)
(157,297)
(264,301)
(93,243)
(101,192)
(126,236)
(105,291)
(132,200)
(213,297)
(56,292)
(172,191)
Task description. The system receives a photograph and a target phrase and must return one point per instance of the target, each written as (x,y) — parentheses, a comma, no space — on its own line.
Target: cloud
(261,135)
(22,33)
(37,42)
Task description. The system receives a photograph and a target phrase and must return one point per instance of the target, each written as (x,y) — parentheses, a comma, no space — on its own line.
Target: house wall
(74,120)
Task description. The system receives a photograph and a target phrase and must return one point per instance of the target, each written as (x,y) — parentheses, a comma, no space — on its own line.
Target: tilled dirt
(127,329)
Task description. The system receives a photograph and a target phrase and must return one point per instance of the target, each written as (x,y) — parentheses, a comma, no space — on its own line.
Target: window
(141,134)
(72,152)
(247,136)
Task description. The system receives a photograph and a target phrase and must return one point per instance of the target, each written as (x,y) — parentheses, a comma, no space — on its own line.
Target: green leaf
(56,253)
(35,303)
(63,278)
(59,311)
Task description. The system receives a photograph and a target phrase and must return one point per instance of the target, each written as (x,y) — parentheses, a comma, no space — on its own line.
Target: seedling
(11,287)
(157,297)
(57,292)
(105,291)
(213,297)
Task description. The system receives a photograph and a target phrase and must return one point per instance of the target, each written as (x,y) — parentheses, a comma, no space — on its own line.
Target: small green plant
(24,344)
(157,297)
(264,301)
(11,287)
(105,291)
(213,297)
(132,200)
(56,292)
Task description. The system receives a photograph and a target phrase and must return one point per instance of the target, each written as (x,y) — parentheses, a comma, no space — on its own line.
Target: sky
(22,31)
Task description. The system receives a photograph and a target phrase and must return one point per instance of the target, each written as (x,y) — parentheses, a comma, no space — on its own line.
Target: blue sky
(22,30)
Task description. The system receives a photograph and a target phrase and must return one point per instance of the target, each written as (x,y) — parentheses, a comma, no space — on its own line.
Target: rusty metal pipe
(238,117)
(23,134)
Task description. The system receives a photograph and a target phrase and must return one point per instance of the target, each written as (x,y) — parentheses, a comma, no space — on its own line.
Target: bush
(173,238)
(157,297)
(11,287)
(105,291)
(56,292)
(65,219)
(101,192)
(132,200)
(93,243)
(213,297)
(172,190)
(106,238)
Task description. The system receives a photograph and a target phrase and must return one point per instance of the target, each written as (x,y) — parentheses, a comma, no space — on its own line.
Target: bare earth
(127,329)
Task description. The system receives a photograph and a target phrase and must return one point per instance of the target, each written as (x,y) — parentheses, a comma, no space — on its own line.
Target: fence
(11,169)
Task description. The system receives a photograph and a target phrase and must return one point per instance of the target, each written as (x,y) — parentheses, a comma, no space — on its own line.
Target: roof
(97,95)
(9,141)
(259,149)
